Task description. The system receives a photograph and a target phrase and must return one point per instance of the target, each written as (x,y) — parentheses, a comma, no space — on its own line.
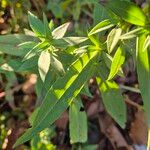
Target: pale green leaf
(113,38)
(77,122)
(75,40)
(60,31)
(104,25)
(117,62)
(44,64)
(131,34)
(113,100)
(57,65)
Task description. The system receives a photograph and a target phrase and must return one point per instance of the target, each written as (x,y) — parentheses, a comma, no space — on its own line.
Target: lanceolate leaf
(146,43)
(61,94)
(9,44)
(108,61)
(113,100)
(60,31)
(127,11)
(57,65)
(117,62)
(78,122)
(44,64)
(143,71)
(36,24)
(100,13)
(104,25)
(75,40)
(113,39)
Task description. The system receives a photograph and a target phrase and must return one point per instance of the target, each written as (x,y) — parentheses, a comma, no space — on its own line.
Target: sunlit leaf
(113,38)
(44,64)
(60,31)
(117,62)
(104,25)
(59,96)
(127,11)
(143,71)
(75,40)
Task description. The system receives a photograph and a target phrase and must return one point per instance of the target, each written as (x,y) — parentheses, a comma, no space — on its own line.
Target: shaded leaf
(78,122)
(36,24)
(9,44)
(113,100)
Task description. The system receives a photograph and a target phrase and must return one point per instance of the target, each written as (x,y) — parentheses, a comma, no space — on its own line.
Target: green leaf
(44,64)
(74,40)
(131,34)
(46,26)
(127,11)
(9,44)
(63,91)
(104,25)
(108,61)
(113,100)
(143,71)
(55,8)
(99,13)
(117,62)
(30,65)
(146,43)
(60,31)
(36,49)
(113,38)
(57,65)
(36,24)
(77,122)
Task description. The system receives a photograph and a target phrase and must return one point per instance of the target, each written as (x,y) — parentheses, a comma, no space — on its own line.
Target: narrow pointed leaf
(36,24)
(78,122)
(113,100)
(46,26)
(143,71)
(108,61)
(74,40)
(9,44)
(113,39)
(44,64)
(127,11)
(146,43)
(104,25)
(57,65)
(60,95)
(60,31)
(117,62)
